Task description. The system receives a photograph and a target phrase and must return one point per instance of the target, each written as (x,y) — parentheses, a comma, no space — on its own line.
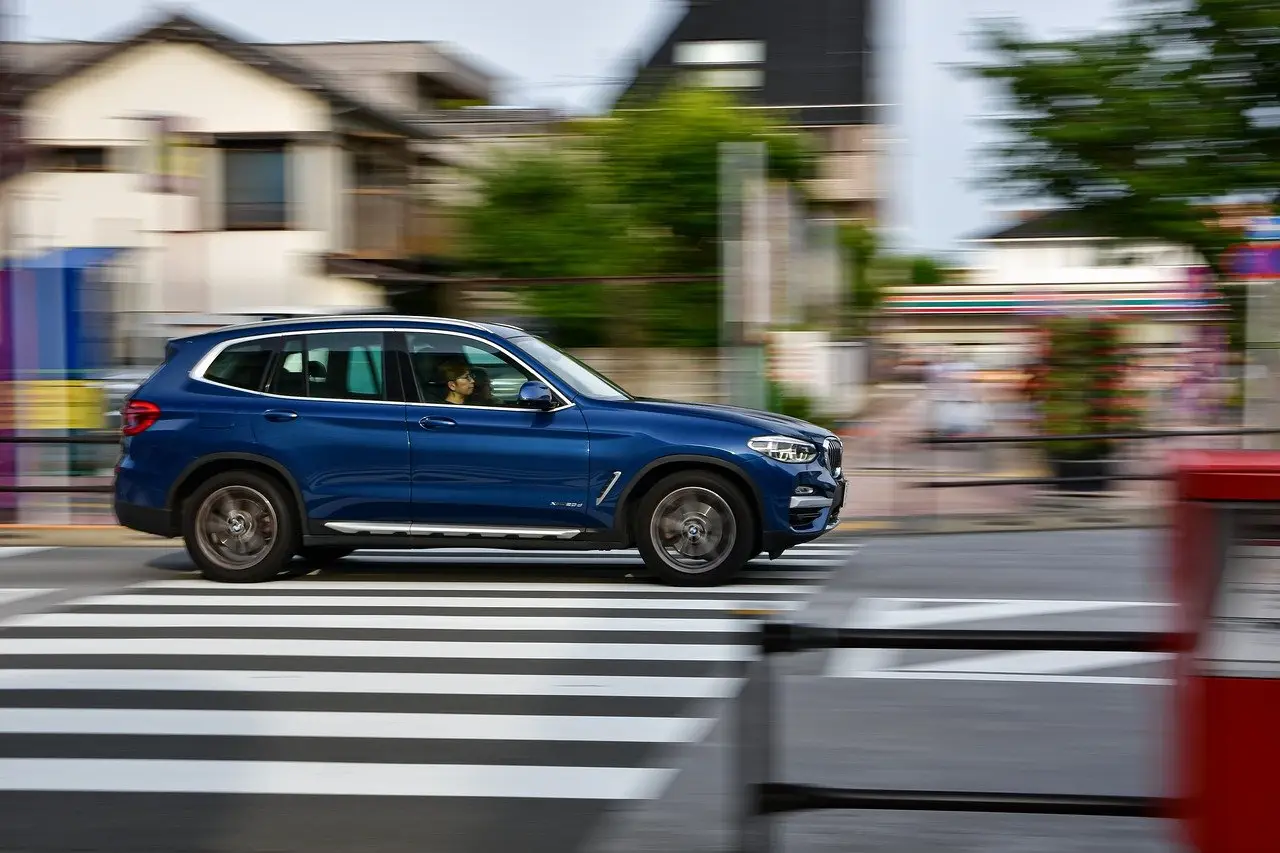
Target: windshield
(574,373)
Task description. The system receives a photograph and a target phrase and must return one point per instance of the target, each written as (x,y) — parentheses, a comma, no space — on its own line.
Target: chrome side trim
(197,372)
(522,532)
(613,481)
(371,527)
(375,528)
(809,502)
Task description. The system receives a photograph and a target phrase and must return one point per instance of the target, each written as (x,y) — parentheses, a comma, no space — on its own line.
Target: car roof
(285,325)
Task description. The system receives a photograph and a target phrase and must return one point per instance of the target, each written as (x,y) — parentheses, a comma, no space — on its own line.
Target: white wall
(1078,262)
(184,261)
(219,94)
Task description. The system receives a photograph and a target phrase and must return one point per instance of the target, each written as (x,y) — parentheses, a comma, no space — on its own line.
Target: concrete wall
(675,374)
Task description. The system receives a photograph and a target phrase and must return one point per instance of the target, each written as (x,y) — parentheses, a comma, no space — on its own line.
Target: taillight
(137,416)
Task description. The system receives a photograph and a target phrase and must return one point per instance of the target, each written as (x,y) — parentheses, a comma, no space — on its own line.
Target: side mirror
(535,395)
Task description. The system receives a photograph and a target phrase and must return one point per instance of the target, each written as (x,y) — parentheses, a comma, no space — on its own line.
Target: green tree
(545,215)
(1138,129)
(637,193)
(861,248)
(665,161)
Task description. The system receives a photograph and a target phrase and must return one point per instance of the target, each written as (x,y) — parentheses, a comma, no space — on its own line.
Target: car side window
(333,366)
(241,365)
(449,368)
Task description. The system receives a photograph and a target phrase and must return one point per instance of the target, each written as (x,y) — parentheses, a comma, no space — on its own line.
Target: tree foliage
(1139,129)
(635,193)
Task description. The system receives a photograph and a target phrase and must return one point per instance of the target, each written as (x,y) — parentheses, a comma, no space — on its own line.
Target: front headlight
(784,449)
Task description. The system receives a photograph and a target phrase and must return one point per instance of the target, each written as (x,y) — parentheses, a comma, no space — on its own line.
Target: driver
(459,380)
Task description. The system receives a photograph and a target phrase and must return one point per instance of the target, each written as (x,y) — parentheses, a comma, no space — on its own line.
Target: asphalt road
(577,708)
(972,721)
(470,701)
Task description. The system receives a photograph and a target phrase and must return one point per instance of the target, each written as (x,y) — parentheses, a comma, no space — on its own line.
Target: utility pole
(12,156)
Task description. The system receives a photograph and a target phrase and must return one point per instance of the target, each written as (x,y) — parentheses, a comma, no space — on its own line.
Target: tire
(262,514)
(715,516)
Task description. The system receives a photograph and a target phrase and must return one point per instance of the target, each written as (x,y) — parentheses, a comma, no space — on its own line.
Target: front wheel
(239,528)
(695,529)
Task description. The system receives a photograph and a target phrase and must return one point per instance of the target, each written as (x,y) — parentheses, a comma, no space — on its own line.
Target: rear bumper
(145,519)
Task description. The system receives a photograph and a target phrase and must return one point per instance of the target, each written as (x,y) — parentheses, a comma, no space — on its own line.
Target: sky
(574,54)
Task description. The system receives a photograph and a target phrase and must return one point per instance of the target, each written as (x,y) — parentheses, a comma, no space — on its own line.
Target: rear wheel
(695,529)
(239,528)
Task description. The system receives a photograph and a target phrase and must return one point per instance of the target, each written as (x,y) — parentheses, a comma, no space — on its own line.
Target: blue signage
(1263,229)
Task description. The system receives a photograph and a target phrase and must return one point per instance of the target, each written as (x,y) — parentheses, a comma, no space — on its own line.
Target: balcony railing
(388,224)
(379,223)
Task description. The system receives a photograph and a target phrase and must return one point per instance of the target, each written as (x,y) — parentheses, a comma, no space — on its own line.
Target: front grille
(833,450)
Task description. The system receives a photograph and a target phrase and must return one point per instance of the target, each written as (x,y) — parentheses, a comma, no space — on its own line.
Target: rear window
(241,365)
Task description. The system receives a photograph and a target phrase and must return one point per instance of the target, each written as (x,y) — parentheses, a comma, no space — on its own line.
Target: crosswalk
(808,562)
(1055,667)
(375,688)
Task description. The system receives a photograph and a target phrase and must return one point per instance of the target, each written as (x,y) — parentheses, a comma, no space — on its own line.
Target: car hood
(765,421)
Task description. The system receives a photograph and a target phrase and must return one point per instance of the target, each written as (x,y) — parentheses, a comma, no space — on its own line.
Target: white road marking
(1028,677)
(865,613)
(1039,662)
(23,551)
(8,596)
(471,586)
(380,621)
(370,683)
(332,724)
(249,598)
(333,779)
(977,611)
(232,647)
(1047,666)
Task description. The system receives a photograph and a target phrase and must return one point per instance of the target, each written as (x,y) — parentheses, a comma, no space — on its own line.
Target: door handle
(279,415)
(435,422)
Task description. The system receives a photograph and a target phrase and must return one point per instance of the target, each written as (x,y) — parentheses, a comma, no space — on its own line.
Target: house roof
(1045,225)
(184,28)
(817,63)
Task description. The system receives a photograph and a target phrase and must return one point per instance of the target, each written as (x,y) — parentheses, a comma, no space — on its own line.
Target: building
(810,63)
(238,178)
(1047,262)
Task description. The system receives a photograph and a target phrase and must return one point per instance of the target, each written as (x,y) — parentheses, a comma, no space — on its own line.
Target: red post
(1225,575)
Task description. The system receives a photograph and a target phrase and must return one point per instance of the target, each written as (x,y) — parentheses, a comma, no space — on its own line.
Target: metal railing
(755,739)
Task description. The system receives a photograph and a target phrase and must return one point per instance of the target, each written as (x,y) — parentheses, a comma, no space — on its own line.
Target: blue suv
(317,437)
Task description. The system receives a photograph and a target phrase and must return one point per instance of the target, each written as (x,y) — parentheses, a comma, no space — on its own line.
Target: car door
(488,463)
(335,418)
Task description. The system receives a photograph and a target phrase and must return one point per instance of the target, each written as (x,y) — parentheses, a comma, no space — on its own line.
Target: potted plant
(1080,388)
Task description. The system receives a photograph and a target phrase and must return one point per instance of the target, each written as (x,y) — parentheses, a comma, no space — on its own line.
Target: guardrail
(762,797)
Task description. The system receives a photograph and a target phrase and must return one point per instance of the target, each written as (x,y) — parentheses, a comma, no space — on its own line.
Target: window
(332,366)
(719,52)
(241,365)
(75,159)
(574,373)
(255,190)
(449,368)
